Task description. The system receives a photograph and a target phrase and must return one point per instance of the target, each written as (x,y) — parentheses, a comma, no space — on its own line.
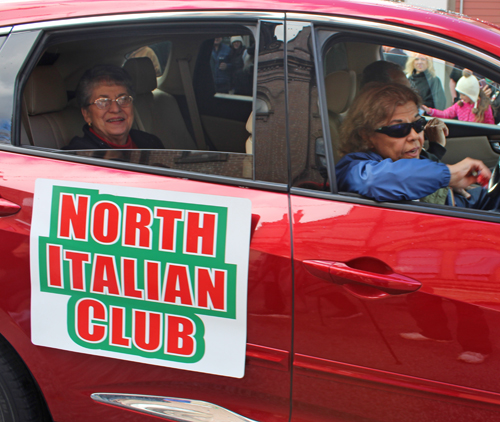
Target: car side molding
(171,408)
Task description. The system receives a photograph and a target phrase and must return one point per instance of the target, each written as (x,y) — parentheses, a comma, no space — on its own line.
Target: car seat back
(340,88)
(156,111)
(52,121)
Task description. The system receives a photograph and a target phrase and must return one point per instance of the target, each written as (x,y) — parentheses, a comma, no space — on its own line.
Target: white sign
(144,275)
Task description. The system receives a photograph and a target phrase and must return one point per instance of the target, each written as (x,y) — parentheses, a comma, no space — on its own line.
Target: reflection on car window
(461,98)
(206,162)
(155,106)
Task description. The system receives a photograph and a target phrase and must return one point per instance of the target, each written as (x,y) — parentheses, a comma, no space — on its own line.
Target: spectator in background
(420,71)
(474,104)
(220,72)
(243,78)
(234,61)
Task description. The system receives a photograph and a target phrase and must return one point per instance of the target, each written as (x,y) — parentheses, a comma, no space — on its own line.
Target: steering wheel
(494,183)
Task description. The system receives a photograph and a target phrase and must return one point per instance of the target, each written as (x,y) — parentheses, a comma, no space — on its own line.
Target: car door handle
(342,273)
(8,208)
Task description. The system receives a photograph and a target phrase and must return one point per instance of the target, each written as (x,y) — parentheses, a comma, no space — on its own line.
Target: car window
(445,95)
(177,97)
(463,94)
(158,54)
(308,150)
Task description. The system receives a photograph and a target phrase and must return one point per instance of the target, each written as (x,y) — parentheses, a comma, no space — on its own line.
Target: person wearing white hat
(234,61)
(474,104)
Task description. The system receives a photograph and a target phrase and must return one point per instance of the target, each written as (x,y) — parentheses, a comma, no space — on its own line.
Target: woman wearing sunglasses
(383,155)
(105,97)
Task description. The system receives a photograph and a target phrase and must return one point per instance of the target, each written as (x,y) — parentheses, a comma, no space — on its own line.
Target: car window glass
(422,70)
(308,153)
(162,101)
(158,54)
(231,63)
(471,120)
(268,122)
(12,56)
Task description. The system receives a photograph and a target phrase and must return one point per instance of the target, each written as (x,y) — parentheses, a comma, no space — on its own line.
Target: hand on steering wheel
(494,182)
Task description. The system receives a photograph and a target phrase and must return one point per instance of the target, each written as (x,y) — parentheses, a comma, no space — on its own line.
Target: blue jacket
(368,174)
(222,78)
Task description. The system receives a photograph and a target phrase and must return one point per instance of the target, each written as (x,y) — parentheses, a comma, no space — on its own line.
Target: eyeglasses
(105,103)
(403,129)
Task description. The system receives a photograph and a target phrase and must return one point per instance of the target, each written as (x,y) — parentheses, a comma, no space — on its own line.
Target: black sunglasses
(403,129)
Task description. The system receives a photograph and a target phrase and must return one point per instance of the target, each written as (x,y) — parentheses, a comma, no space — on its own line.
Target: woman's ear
(86,115)
(365,135)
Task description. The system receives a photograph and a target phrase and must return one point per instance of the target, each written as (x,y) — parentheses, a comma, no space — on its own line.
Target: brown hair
(482,105)
(371,109)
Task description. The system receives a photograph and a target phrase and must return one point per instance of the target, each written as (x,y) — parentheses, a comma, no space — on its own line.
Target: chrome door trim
(354,23)
(171,408)
(5,30)
(148,16)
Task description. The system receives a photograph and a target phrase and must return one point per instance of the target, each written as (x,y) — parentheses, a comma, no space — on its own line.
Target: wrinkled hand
(436,131)
(466,172)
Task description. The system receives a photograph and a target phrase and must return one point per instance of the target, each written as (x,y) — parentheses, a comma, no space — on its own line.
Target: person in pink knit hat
(474,104)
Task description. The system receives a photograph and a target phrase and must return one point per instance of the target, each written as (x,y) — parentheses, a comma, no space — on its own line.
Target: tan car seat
(340,87)
(156,111)
(47,117)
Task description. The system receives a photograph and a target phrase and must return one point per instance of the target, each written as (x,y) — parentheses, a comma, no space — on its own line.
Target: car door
(76,338)
(396,305)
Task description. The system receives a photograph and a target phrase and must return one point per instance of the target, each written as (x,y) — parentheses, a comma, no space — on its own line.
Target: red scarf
(128,145)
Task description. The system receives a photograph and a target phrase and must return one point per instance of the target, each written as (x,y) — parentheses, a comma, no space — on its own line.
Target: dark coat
(142,140)
(430,89)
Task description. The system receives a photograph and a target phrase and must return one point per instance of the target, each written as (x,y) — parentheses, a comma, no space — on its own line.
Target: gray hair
(105,73)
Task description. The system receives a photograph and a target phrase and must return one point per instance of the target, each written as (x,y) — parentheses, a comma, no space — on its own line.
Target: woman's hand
(436,131)
(466,172)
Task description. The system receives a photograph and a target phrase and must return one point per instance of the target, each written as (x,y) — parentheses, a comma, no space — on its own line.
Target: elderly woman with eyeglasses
(383,155)
(105,96)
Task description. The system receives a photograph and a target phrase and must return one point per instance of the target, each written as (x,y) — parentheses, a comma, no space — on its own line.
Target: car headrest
(45,91)
(143,74)
(340,90)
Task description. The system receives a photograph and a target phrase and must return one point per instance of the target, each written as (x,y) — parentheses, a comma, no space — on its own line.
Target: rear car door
(396,305)
(113,332)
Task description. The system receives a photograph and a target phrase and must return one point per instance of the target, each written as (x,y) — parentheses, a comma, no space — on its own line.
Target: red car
(224,276)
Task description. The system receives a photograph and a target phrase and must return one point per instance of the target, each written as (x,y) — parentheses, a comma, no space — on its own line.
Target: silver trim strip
(5,30)
(127,18)
(172,408)
(393,29)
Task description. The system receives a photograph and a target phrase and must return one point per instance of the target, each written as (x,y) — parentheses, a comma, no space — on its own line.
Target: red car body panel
(69,383)
(457,263)
(295,301)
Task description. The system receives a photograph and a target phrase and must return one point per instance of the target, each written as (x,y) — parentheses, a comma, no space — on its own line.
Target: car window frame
(29,37)
(436,45)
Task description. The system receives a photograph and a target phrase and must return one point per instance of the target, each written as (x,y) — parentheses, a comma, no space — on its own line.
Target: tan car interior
(49,120)
(342,85)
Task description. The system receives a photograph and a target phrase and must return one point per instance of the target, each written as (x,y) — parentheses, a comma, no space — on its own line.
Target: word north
(106,224)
